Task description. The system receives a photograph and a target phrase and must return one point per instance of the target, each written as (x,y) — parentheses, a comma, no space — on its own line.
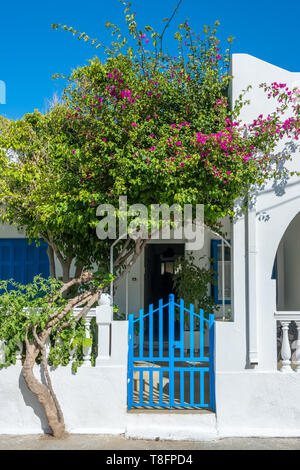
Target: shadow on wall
(31,400)
(279,185)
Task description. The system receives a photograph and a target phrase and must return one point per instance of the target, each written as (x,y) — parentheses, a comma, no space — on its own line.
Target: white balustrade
(297,353)
(19,354)
(289,360)
(104,315)
(87,351)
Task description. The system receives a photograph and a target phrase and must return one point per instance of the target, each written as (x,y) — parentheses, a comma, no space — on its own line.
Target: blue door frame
(194,364)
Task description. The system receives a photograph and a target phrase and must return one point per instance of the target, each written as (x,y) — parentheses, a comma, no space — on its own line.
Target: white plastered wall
(252,397)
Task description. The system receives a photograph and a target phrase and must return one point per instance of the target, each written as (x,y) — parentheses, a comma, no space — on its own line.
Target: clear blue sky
(31,51)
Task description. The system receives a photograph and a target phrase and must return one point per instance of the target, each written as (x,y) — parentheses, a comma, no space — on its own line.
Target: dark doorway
(158,282)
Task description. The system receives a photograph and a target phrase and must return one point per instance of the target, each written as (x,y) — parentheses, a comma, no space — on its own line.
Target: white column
(252,290)
(104,314)
(297,353)
(19,354)
(87,350)
(285,348)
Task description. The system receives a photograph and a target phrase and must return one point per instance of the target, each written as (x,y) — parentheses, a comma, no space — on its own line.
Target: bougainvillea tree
(138,122)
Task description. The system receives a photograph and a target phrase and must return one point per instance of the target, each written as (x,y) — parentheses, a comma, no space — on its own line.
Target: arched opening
(286,268)
(286,271)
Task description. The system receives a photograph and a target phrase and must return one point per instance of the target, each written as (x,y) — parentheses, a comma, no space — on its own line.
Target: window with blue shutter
(216,254)
(21,261)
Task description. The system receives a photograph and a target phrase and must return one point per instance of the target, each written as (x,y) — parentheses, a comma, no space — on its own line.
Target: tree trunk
(66,270)
(50,253)
(79,270)
(42,393)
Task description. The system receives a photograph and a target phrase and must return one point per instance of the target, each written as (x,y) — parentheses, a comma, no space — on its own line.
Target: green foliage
(140,123)
(191,283)
(32,306)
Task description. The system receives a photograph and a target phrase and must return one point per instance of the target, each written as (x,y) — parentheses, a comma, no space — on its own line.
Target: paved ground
(96,442)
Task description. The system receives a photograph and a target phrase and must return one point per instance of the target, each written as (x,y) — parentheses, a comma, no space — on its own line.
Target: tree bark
(66,265)
(50,253)
(42,393)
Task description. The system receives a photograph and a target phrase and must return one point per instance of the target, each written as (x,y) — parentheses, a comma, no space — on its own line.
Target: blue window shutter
(6,260)
(18,264)
(43,260)
(21,261)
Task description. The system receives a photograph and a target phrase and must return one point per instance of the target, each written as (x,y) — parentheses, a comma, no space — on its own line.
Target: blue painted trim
(212,362)
(130,361)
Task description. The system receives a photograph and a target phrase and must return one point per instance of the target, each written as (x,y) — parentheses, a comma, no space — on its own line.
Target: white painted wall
(252,397)
(93,401)
(253,403)
(10,231)
(276,206)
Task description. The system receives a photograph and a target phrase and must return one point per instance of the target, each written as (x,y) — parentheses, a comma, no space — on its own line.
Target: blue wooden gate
(177,368)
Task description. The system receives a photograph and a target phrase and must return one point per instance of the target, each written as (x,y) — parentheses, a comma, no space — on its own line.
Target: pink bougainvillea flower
(134,124)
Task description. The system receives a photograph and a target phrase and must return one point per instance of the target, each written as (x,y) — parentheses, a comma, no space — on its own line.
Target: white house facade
(254,358)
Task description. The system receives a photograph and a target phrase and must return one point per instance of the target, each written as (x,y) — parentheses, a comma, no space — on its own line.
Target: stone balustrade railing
(104,316)
(289,343)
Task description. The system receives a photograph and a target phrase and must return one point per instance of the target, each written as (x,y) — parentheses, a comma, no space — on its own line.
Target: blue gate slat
(141,390)
(171,349)
(141,335)
(191,331)
(201,333)
(181,386)
(161,384)
(204,366)
(151,387)
(182,327)
(176,359)
(201,386)
(151,331)
(166,369)
(160,328)
(192,387)
(166,405)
